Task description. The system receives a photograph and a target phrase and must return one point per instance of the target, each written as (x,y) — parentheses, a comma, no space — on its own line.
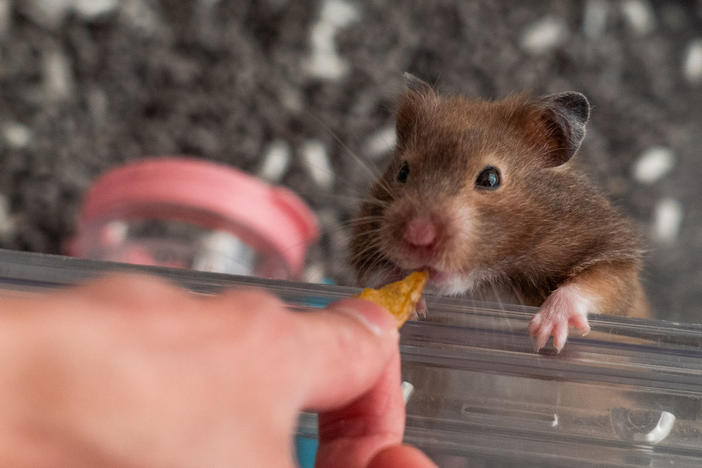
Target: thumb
(401,456)
(345,349)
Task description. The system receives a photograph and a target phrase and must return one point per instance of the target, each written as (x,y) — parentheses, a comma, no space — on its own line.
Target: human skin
(132,371)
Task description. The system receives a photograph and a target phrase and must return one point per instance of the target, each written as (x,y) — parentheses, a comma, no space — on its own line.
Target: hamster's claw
(564,308)
(542,328)
(420,311)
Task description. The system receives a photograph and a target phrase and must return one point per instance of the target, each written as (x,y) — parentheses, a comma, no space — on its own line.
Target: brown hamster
(485,196)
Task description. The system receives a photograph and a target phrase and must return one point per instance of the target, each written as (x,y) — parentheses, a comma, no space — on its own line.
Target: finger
(535,324)
(246,306)
(128,292)
(560,335)
(580,322)
(350,436)
(542,335)
(341,351)
(404,456)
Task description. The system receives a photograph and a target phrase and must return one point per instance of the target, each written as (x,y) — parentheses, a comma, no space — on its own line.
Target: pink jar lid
(274,214)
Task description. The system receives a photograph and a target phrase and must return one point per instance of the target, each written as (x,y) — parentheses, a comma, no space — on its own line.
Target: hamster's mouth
(442,282)
(447,283)
(437,276)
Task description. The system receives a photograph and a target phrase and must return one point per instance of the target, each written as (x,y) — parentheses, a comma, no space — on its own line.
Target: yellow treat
(400,297)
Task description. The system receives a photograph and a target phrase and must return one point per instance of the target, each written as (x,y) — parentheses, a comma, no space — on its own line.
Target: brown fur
(546,225)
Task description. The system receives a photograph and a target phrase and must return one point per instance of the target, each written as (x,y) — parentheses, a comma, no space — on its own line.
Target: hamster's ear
(411,105)
(417,85)
(565,116)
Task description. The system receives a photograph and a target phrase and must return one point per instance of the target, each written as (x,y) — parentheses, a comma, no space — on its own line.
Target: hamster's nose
(420,232)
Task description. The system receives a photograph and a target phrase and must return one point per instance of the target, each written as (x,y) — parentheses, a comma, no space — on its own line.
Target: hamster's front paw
(565,307)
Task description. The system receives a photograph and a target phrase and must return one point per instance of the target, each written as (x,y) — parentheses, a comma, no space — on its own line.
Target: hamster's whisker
(365,226)
(372,202)
(386,186)
(359,254)
(372,170)
(375,231)
(376,201)
(365,221)
(378,259)
(373,261)
(353,200)
(336,181)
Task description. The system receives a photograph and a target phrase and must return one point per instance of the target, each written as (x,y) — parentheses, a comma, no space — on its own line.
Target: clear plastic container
(194,214)
(627,395)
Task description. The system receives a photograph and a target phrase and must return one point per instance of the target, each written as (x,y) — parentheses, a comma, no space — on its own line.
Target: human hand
(132,371)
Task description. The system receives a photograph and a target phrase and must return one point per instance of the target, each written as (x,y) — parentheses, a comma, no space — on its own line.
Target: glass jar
(190,213)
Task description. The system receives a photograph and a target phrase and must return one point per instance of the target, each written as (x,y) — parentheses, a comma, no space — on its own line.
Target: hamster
(486,197)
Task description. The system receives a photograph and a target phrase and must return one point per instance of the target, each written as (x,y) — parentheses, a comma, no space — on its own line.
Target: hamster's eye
(489,178)
(404,173)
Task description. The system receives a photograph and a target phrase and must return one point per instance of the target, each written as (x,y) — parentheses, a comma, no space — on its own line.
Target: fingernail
(375,318)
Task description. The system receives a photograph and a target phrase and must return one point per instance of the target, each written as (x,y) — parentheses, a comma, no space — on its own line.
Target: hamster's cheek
(459,250)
